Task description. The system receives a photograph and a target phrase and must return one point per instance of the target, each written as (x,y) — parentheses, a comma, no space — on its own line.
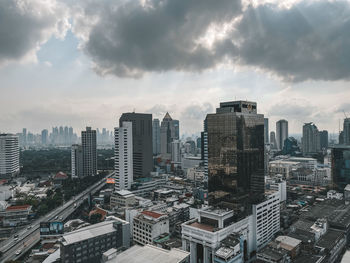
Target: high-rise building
(169,131)
(266,130)
(156,136)
(234,155)
(311,142)
(44,137)
(123,156)
(70,135)
(177,129)
(88,139)
(175,152)
(77,161)
(273,140)
(346,131)
(141,142)
(324,139)
(281,133)
(340,157)
(9,155)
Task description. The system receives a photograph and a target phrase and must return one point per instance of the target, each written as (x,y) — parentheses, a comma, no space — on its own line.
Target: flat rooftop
(150,254)
(88,232)
(202,226)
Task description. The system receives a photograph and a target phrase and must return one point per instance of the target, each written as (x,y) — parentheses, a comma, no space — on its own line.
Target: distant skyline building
(9,155)
(44,137)
(311,142)
(156,136)
(88,139)
(169,131)
(141,142)
(77,161)
(324,139)
(273,141)
(346,131)
(281,133)
(266,130)
(234,155)
(123,156)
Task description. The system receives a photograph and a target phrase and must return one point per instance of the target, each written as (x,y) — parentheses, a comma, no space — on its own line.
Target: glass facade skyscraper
(234,154)
(340,167)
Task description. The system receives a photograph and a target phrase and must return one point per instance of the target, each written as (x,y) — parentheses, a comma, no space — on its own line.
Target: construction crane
(346,117)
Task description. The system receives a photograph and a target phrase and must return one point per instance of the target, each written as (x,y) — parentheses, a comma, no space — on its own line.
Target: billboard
(51,228)
(110,181)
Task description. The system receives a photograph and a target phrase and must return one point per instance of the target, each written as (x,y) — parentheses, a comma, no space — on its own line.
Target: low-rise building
(122,198)
(16,215)
(148,225)
(148,254)
(89,243)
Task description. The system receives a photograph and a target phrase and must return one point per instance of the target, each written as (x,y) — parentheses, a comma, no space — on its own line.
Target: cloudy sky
(78,63)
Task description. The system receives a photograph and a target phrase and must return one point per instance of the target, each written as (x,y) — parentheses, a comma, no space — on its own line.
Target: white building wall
(266,219)
(9,155)
(123,156)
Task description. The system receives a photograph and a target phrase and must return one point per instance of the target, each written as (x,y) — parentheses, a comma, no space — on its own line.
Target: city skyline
(62,76)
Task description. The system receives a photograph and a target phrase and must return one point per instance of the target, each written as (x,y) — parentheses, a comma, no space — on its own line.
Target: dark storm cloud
(24,25)
(163,35)
(309,40)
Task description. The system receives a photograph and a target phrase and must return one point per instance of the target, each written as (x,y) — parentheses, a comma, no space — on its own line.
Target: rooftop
(150,254)
(330,239)
(202,226)
(88,232)
(152,214)
(18,207)
(124,193)
(288,242)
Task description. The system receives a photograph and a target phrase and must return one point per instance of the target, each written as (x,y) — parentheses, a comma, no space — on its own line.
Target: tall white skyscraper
(176,152)
(281,133)
(77,161)
(9,155)
(123,156)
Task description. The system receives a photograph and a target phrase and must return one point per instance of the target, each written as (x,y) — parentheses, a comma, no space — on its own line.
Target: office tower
(281,133)
(9,155)
(44,137)
(156,136)
(175,152)
(169,131)
(176,124)
(273,140)
(324,139)
(77,161)
(346,131)
(199,142)
(266,130)
(340,157)
(123,156)
(311,139)
(234,154)
(88,139)
(104,136)
(141,142)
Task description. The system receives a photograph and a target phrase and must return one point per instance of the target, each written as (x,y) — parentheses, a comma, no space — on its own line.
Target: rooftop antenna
(345,114)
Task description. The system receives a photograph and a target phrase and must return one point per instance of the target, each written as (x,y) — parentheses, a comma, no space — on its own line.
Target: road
(13,249)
